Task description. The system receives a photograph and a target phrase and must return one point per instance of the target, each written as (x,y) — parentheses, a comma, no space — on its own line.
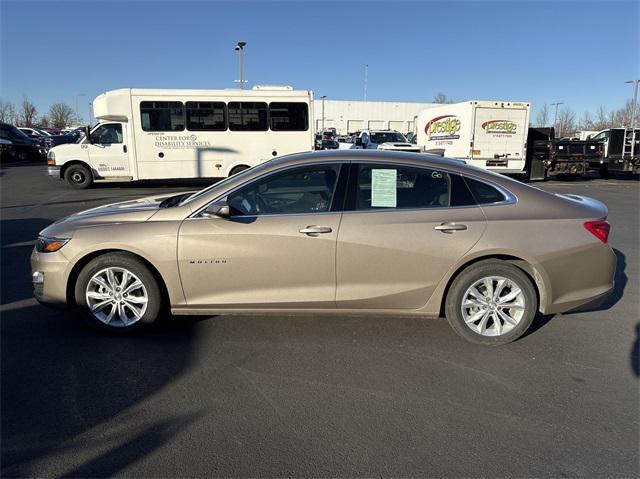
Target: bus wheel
(78,177)
(238,169)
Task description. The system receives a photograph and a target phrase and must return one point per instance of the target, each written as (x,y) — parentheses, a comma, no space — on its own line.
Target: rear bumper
(584,278)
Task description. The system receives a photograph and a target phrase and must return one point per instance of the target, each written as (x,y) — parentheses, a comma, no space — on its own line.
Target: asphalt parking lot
(311,396)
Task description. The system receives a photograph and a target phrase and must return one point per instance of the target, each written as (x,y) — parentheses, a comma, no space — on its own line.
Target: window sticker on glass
(383,188)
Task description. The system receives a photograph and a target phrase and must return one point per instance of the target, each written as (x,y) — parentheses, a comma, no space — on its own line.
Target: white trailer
(147,134)
(485,133)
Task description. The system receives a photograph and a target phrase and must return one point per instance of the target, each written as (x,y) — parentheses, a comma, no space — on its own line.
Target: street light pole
(323,97)
(555,115)
(77,96)
(240,49)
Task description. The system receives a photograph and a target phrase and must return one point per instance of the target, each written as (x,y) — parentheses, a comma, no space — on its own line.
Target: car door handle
(315,230)
(450,227)
(124,148)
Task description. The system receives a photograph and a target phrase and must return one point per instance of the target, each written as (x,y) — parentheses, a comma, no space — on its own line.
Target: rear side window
(289,116)
(162,115)
(247,116)
(206,116)
(396,186)
(484,193)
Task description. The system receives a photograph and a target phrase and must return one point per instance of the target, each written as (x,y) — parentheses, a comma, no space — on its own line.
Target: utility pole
(366,74)
(323,97)
(77,96)
(634,104)
(240,49)
(555,115)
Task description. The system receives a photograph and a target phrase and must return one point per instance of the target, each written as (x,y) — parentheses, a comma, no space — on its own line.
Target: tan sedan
(336,232)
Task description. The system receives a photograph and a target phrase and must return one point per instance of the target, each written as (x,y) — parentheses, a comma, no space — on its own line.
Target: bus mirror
(87,134)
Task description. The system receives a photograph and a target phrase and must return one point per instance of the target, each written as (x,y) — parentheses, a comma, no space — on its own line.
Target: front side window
(206,116)
(289,116)
(303,190)
(107,134)
(247,116)
(397,186)
(162,115)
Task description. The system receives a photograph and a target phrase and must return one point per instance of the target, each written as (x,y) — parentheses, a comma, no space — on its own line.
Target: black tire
(136,267)
(238,169)
(78,177)
(604,172)
(476,272)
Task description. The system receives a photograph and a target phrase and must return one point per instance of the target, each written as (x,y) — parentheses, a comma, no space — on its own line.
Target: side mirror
(358,141)
(87,134)
(220,209)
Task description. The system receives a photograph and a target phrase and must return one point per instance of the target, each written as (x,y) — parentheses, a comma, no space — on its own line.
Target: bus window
(289,116)
(206,116)
(247,116)
(162,115)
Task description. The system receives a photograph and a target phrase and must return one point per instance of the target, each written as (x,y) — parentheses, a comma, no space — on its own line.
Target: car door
(402,229)
(275,250)
(108,153)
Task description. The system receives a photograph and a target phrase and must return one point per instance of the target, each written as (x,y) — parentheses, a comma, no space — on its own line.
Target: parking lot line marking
(23,303)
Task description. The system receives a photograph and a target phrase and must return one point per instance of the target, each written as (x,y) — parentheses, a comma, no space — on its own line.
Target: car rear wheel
(78,176)
(118,292)
(491,303)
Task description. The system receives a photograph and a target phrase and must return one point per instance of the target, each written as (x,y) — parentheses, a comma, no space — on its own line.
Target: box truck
(146,134)
(485,133)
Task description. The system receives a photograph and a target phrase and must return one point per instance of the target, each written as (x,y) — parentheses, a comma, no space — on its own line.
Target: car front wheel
(491,303)
(118,292)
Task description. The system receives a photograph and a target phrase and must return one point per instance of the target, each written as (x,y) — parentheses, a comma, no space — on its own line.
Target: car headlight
(50,245)
(51,155)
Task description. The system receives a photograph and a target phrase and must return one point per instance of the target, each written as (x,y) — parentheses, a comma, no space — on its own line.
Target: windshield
(16,133)
(387,136)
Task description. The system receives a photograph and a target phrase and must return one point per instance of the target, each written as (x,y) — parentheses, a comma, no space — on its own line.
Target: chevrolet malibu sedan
(357,232)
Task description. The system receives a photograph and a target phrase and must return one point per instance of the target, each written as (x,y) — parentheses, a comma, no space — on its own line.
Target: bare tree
(542,118)
(43,122)
(61,115)
(586,122)
(7,112)
(441,98)
(622,117)
(28,113)
(566,122)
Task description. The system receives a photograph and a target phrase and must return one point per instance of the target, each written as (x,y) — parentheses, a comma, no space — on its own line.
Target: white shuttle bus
(146,134)
(485,133)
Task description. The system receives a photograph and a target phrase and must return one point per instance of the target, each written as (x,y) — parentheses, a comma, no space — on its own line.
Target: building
(348,116)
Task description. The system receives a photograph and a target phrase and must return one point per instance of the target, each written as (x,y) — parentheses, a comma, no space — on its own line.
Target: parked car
(422,235)
(329,144)
(22,147)
(384,140)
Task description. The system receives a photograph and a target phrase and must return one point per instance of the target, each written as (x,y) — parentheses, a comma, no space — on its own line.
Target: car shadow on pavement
(635,352)
(17,239)
(81,397)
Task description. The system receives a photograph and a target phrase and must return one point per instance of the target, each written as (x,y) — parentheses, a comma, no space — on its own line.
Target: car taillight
(599,228)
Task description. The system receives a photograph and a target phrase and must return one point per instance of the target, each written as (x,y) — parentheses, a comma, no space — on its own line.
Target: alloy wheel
(116,297)
(493,306)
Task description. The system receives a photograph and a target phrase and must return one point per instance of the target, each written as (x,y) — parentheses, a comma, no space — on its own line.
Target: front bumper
(54,172)
(49,273)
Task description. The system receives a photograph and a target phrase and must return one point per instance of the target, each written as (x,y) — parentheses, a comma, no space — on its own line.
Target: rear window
(484,193)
